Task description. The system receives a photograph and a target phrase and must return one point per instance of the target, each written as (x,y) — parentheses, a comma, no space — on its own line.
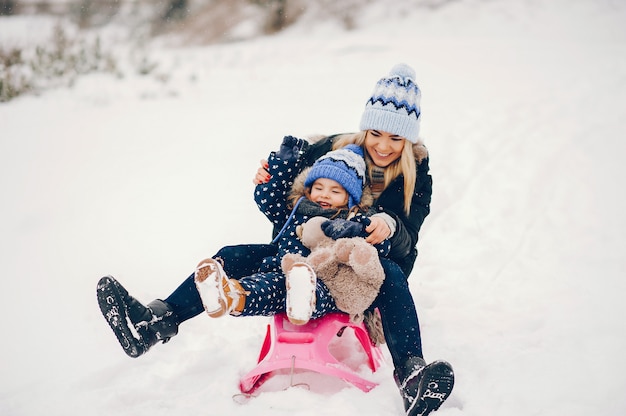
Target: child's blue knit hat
(394,106)
(346,166)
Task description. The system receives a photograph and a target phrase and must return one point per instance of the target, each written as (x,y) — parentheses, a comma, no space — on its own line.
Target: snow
(520,278)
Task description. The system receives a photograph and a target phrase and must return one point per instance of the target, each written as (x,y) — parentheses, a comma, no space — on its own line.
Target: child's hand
(290,148)
(339,228)
(262,175)
(378,230)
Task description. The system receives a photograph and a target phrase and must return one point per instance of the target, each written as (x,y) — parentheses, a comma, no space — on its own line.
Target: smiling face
(383,148)
(329,193)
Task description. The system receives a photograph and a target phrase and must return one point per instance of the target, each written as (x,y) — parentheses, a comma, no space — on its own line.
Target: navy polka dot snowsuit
(267,286)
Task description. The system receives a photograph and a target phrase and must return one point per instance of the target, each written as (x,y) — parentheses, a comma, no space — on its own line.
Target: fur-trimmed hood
(420,151)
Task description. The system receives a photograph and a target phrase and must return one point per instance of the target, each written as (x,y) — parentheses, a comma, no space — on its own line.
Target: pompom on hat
(345,166)
(394,106)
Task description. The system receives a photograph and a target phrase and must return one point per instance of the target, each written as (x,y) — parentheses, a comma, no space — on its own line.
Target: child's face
(329,194)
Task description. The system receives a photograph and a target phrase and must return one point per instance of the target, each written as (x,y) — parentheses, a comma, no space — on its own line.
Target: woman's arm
(405,237)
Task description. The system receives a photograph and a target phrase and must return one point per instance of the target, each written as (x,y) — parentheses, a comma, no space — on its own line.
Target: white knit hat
(394,106)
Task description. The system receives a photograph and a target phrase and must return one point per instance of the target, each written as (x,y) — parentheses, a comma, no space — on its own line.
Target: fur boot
(220,295)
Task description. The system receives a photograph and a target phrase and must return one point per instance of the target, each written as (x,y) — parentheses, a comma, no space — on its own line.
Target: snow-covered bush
(13,82)
(58,62)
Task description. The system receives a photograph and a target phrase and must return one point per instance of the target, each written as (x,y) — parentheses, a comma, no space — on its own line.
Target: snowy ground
(520,278)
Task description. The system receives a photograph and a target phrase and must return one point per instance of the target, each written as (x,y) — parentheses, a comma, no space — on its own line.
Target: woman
(397,165)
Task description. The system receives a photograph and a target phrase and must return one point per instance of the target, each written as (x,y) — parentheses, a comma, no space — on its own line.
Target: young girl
(332,188)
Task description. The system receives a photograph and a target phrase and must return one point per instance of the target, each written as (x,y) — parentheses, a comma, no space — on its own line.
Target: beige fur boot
(220,295)
(300,300)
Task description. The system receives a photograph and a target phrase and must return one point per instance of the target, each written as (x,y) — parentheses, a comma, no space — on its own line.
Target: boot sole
(300,300)
(435,387)
(209,279)
(113,309)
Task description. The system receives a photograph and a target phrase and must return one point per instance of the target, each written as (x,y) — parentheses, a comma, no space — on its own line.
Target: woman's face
(384,148)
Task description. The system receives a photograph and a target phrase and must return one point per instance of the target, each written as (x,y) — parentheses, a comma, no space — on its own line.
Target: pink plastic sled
(291,347)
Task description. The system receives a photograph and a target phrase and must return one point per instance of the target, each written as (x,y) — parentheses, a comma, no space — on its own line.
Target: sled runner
(306,347)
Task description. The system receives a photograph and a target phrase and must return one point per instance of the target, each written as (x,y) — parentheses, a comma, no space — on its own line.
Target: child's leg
(239,261)
(266,294)
(324,302)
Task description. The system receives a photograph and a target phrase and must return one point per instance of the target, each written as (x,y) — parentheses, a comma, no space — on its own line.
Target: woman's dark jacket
(391,201)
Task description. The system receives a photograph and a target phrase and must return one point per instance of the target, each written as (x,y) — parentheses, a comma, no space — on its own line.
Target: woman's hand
(378,230)
(262,175)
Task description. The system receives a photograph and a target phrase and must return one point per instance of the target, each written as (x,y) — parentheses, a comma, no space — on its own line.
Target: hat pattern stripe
(410,110)
(400,95)
(349,160)
(351,169)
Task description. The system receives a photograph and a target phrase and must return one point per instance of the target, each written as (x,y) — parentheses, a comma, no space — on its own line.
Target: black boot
(424,387)
(137,327)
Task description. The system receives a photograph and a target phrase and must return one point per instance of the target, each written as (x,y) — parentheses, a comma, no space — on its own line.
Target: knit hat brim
(339,175)
(390,121)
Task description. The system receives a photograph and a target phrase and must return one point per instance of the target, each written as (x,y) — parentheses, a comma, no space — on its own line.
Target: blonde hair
(405,165)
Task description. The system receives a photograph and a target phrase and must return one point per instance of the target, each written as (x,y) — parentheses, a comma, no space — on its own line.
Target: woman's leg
(424,387)
(185,300)
(159,320)
(398,314)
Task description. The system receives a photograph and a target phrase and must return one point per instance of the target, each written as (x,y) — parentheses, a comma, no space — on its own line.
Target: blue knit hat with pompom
(345,166)
(394,106)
